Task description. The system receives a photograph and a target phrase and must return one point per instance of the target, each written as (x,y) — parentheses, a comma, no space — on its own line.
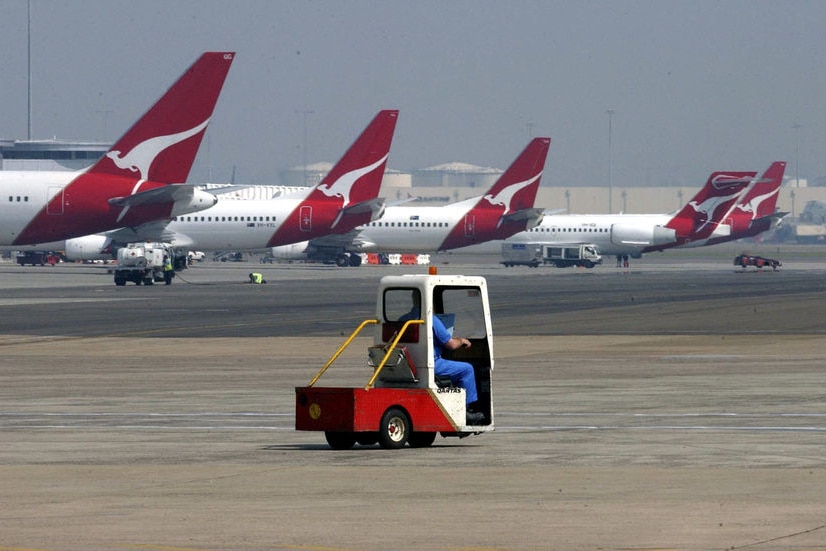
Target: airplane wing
(362,212)
(347,241)
(184,198)
(172,193)
(374,206)
(351,241)
(533,216)
(151,231)
(775,219)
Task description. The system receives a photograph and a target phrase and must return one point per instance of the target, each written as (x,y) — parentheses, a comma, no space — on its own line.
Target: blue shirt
(440,337)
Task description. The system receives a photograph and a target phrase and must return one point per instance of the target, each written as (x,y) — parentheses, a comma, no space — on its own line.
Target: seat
(389,329)
(399,367)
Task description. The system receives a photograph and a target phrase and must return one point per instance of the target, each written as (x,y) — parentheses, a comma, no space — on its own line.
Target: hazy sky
(696,86)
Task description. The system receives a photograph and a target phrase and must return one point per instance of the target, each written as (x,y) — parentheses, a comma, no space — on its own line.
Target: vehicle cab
(404,401)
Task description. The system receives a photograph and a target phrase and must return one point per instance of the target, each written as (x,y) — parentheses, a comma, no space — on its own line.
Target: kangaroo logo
(141,157)
(708,207)
(505,197)
(343,186)
(753,205)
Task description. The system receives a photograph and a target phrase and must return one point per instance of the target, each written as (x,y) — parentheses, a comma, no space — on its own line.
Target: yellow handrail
(340,350)
(396,338)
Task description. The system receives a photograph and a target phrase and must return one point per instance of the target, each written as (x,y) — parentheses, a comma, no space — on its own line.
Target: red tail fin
(162,145)
(517,187)
(697,218)
(761,199)
(357,175)
(356,178)
(490,218)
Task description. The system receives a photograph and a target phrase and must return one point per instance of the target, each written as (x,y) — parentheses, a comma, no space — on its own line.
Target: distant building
(300,176)
(49,154)
(456,175)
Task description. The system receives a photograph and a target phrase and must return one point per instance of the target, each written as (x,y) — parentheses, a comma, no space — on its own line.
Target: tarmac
(677,404)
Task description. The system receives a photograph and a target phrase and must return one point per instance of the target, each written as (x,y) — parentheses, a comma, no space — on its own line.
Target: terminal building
(49,154)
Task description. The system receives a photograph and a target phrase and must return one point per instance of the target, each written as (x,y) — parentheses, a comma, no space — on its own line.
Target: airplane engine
(626,234)
(88,247)
(294,251)
(198,200)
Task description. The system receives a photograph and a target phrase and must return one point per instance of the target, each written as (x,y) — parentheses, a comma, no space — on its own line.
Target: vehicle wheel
(148,281)
(367,438)
(588,264)
(355,260)
(340,440)
(394,429)
(422,439)
(120,282)
(342,261)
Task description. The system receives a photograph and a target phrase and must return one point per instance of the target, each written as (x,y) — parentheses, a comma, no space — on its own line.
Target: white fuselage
(404,229)
(23,194)
(612,233)
(233,224)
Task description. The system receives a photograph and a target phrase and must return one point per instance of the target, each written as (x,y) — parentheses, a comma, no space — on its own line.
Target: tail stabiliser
(698,218)
(159,149)
(495,215)
(760,200)
(355,179)
(162,145)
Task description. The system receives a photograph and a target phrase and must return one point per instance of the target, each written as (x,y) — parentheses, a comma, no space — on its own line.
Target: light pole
(306,113)
(610,113)
(797,128)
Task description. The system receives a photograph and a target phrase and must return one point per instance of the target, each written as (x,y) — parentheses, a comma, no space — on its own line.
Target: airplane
(141,178)
(345,198)
(635,234)
(507,208)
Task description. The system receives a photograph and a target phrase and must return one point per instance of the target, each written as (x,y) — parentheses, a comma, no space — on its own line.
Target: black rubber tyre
(340,440)
(421,439)
(367,438)
(394,429)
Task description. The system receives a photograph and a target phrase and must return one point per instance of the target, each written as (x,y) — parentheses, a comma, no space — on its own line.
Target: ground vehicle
(37,257)
(759,262)
(521,254)
(196,256)
(571,255)
(144,263)
(403,402)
